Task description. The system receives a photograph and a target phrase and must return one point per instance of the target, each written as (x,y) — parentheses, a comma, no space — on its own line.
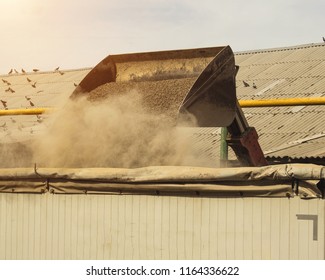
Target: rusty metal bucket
(212,97)
(147,66)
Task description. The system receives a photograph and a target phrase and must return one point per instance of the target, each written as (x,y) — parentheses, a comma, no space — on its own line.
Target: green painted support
(223,147)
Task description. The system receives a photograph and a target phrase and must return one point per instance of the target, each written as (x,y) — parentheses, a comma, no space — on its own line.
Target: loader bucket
(209,73)
(212,98)
(148,66)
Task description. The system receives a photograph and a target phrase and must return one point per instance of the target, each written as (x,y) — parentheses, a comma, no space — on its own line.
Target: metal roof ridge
(296,47)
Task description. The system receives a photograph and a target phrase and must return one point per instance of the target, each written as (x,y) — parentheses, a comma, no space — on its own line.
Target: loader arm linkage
(212,100)
(243,140)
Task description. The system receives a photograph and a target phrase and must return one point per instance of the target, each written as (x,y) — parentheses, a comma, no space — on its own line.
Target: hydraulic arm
(212,100)
(243,139)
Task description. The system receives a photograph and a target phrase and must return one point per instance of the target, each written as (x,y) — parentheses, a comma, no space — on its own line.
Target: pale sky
(74,34)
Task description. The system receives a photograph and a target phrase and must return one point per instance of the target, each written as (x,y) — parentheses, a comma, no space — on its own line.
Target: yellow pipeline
(33,111)
(282,102)
(242,103)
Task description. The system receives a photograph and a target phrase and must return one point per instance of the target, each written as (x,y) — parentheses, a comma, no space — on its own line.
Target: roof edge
(303,46)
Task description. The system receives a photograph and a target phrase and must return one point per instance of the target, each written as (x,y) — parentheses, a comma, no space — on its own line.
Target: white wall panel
(158,227)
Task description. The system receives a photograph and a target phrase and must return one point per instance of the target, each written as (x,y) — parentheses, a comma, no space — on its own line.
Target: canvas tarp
(277,180)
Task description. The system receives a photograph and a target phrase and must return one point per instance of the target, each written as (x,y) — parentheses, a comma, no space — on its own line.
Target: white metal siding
(155,227)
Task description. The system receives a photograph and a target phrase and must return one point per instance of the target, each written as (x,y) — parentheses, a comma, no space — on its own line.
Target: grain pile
(158,97)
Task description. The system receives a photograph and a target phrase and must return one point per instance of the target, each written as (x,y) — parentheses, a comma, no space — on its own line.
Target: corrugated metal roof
(40,89)
(289,72)
(281,73)
(297,71)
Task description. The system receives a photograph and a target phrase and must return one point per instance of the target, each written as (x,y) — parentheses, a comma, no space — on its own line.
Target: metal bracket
(313,218)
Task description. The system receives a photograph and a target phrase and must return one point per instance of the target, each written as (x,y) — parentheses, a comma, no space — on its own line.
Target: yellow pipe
(33,111)
(282,102)
(243,103)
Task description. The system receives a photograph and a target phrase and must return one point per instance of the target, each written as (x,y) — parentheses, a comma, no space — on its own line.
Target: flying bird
(28,79)
(34,85)
(57,69)
(75,84)
(10,71)
(31,103)
(27,98)
(61,73)
(23,71)
(324,39)
(4,126)
(39,119)
(16,71)
(245,84)
(254,86)
(40,91)
(6,82)
(4,103)
(35,70)
(10,89)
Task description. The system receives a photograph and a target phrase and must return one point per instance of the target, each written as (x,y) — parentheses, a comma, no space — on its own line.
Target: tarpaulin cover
(277,180)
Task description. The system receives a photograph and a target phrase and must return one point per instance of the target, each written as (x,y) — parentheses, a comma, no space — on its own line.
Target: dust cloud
(118,132)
